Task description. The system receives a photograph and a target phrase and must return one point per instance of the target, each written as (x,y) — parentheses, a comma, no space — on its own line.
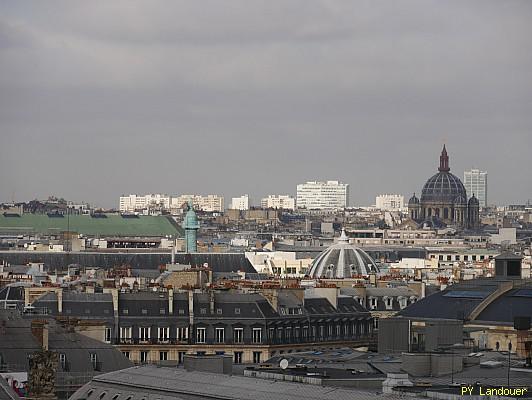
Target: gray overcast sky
(100,98)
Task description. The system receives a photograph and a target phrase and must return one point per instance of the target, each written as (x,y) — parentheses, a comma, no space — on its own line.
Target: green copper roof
(112,225)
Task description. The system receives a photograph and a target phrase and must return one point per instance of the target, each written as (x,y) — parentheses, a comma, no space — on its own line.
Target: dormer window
(402,302)
(388,302)
(373,302)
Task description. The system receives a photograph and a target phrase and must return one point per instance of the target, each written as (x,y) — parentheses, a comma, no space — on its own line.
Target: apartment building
(314,195)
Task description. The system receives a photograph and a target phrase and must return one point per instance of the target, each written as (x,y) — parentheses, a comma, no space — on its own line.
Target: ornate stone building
(444,200)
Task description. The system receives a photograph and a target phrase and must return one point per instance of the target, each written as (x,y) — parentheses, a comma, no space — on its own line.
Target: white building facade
(240,203)
(390,202)
(149,202)
(208,203)
(322,195)
(135,202)
(285,202)
(476,182)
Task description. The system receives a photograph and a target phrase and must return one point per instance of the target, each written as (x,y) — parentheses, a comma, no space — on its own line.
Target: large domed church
(444,200)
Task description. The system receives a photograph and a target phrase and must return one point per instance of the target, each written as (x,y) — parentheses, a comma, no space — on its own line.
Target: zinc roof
(112,225)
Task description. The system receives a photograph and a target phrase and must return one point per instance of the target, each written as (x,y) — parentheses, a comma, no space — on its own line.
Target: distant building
(240,203)
(322,195)
(135,202)
(444,200)
(285,202)
(390,202)
(476,183)
(209,203)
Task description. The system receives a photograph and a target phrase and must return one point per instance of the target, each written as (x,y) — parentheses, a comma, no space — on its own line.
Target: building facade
(208,203)
(135,202)
(390,202)
(285,202)
(240,203)
(476,183)
(315,195)
(153,327)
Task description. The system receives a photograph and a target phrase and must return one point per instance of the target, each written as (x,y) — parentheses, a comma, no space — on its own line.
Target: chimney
(211,301)
(170,300)
(60,301)
(173,254)
(39,329)
(114,294)
(191,307)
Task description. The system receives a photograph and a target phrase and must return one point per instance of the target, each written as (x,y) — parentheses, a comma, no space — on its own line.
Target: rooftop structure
(342,260)
(95,225)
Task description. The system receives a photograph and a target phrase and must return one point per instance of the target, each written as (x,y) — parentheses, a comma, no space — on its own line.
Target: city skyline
(255,98)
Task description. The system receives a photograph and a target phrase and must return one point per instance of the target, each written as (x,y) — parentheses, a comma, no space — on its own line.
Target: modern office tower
(476,183)
(240,203)
(390,202)
(285,202)
(322,195)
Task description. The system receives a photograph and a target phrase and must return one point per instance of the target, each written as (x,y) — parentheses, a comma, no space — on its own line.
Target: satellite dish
(284,363)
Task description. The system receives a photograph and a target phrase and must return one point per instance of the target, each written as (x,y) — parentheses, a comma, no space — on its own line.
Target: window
(237,310)
(338,330)
(203,311)
(144,333)
(288,333)
(257,335)
(238,335)
(219,311)
(180,356)
(125,311)
(220,335)
(182,333)
(373,302)
(108,335)
(200,335)
(164,334)
(162,311)
(256,357)
(402,302)
(305,332)
(125,332)
(144,311)
(62,361)
(144,356)
(163,356)
(94,361)
(238,357)
(181,311)
(126,354)
(375,323)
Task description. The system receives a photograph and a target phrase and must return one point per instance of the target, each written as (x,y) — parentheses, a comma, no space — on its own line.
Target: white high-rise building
(476,182)
(209,203)
(322,195)
(390,202)
(240,203)
(135,202)
(285,202)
